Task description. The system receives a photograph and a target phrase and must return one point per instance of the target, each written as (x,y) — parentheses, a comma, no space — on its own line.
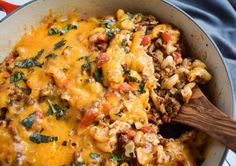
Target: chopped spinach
(116,157)
(38,138)
(29,121)
(141,88)
(98,75)
(51,56)
(55,109)
(59,44)
(94,156)
(108,22)
(30,62)
(17,76)
(68,27)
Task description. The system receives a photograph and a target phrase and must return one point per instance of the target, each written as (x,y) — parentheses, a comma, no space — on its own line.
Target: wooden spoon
(201,114)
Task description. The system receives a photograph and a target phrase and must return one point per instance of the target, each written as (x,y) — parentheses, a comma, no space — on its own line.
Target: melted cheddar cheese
(89,92)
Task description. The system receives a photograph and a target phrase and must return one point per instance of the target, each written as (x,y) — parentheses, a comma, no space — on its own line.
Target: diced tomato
(105,108)
(89,117)
(125,87)
(5,75)
(145,41)
(147,129)
(176,55)
(101,59)
(131,133)
(166,36)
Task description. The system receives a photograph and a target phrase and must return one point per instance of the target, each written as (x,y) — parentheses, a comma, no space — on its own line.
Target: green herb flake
(98,75)
(39,138)
(94,156)
(55,109)
(141,88)
(87,65)
(126,70)
(54,31)
(26,91)
(17,76)
(30,62)
(64,143)
(108,22)
(51,56)
(59,44)
(116,157)
(110,32)
(119,114)
(133,79)
(123,45)
(40,53)
(29,121)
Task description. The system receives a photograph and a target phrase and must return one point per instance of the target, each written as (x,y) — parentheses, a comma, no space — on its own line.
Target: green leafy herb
(110,32)
(87,64)
(68,27)
(55,109)
(30,62)
(116,157)
(40,53)
(133,79)
(98,75)
(95,156)
(119,114)
(54,31)
(17,76)
(123,45)
(26,91)
(51,56)
(108,22)
(39,138)
(141,88)
(126,70)
(29,121)
(64,143)
(59,44)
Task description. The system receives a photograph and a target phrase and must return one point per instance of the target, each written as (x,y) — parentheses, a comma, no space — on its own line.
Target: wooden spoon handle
(200,113)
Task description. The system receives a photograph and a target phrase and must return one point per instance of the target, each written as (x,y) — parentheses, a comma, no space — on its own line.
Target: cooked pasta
(95,91)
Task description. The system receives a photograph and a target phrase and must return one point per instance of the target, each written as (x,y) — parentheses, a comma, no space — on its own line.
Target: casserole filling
(97,92)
